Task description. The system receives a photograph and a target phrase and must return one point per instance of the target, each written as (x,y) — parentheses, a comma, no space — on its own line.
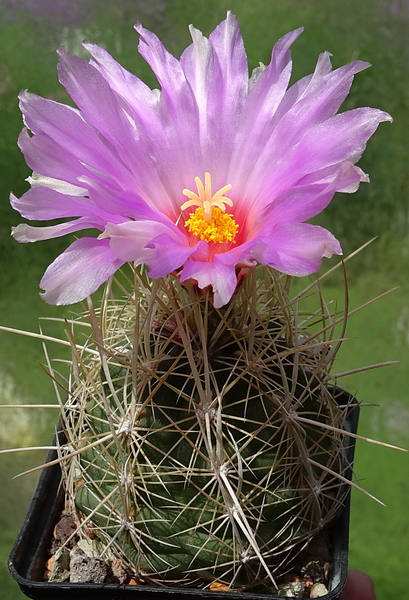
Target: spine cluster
(211,443)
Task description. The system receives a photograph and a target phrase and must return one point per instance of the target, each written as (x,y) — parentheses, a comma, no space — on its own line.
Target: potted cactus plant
(199,447)
(204,446)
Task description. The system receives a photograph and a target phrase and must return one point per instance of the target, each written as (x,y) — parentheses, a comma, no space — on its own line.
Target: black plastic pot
(29,554)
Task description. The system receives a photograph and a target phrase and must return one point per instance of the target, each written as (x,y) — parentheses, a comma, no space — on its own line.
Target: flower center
(209,221)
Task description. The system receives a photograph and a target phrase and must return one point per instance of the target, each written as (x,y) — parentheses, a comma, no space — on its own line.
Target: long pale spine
(214,458)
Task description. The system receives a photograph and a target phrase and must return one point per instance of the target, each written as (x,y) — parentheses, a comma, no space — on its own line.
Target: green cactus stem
(211,443)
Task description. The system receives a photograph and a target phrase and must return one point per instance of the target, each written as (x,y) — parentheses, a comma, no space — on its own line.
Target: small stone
(89,547)
(94,548)
(293,589)
(217,586)
(318,590)
(119,574)
(49,567)
(85,569)
(315,570)
(64,530)
(60,571)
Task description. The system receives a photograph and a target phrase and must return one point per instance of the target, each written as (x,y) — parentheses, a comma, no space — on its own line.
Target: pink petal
(236,254)
(161,247)
(227,42)
(124,202)
(302,88)
(67,127)
(318,102)
(254,130)
(342,137)
(301,203)
(153,137)
(216,70)
(295,248)
(137,94)
(41,203)
(45,203)
(311,102)
(45,156)
(99,104)
(24,233)
(166,255)
(179,114)
(79,271)
(221,277)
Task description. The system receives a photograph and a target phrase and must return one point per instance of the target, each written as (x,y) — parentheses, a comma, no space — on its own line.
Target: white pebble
(318,590)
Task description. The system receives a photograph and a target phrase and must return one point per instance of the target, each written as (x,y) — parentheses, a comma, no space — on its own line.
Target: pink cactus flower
(213,173)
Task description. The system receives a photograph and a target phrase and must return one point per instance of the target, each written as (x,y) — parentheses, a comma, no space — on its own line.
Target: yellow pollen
(210,222)
(222,226)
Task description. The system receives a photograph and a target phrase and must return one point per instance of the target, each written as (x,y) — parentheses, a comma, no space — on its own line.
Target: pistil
(209,221)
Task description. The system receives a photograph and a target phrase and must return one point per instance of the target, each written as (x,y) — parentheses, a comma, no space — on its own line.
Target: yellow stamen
(222,226)
(210,222)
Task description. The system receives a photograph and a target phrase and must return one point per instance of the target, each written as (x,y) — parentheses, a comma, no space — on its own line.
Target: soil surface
(76,560)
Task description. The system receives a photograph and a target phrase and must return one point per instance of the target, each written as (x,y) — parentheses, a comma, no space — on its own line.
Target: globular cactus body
(205,448)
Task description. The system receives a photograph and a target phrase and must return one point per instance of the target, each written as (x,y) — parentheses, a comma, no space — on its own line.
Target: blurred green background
(372,30)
